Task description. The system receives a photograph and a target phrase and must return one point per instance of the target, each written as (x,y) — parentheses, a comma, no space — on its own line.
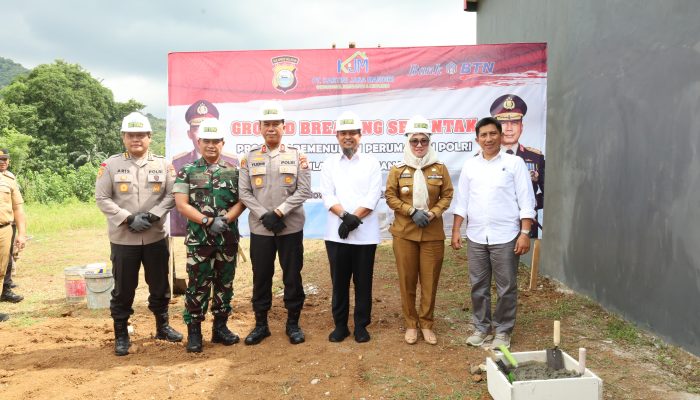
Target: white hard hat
(348,121)
(211,128)
(136,122)
(271,111)
(417,124)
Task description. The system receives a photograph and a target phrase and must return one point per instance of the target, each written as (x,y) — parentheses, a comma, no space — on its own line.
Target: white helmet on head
(348,121)
(271,111)
(211,128)
(136,122)
(418,124)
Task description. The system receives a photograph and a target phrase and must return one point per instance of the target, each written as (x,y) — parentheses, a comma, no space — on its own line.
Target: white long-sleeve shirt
(352,183)
(493,196)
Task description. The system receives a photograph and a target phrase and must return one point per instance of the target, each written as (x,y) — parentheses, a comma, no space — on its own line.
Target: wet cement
(536,370)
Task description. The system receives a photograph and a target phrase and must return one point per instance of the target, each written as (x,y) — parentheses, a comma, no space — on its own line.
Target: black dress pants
(354,261)
(126,262)
(263,251)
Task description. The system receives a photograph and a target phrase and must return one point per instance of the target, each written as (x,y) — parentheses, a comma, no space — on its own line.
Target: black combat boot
(194,337)
(9,295)
(121,338)
(261,330)
(164,331)
(296,335)
(220,332)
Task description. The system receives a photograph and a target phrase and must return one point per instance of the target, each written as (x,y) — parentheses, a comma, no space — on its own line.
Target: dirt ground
(53,350)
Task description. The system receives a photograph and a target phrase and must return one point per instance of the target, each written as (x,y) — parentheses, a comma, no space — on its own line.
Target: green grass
(44,219)
(623,331)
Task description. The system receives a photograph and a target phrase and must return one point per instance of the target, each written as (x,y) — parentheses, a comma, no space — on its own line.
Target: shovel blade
(555,360)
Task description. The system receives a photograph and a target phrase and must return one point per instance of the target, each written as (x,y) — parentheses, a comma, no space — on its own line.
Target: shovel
(555,360)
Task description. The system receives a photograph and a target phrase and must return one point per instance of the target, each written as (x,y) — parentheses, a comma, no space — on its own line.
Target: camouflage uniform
(212,189)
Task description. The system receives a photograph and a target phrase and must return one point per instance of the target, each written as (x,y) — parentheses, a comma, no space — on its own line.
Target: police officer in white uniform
(134,191)
(274,183)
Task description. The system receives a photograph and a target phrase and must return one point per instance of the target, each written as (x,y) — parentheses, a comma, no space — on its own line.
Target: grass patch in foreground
(43,219)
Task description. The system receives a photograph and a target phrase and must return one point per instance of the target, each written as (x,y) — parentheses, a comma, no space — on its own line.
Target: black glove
(220,225)
(343,230)
(152,217)
(269,219)
(278,226)
(138,223)
(351,220)
(420,218)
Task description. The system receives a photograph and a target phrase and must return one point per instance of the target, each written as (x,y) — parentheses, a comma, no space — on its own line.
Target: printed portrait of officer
(509,110)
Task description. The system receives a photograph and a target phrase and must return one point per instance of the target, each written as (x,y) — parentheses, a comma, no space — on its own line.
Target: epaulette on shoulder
(115,156)
(534,150)
(292,147)
(255,147)
(157,156)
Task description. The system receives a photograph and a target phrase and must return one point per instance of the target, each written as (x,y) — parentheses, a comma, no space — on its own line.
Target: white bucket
(75,284)
(99,283)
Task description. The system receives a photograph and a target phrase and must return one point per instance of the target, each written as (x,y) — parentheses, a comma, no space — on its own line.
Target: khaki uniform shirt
(277,179)
(399,197)
(10,198)
(128,186)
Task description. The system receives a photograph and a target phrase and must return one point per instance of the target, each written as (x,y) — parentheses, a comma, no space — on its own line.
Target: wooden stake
(535,264)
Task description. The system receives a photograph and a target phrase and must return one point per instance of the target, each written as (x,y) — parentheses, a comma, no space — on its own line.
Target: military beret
(4,153)
(199,110)
(508,107)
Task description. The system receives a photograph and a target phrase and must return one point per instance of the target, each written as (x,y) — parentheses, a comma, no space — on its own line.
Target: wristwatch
(344,214)
(205,220)
(525,231)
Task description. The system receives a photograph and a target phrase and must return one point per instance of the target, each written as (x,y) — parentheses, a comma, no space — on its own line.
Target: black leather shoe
(194,337)
(361,335)
(257,335)
(121,338)
(339,334)
(4,317)
(296,335)
(10,296)
(221,334)
(164,331)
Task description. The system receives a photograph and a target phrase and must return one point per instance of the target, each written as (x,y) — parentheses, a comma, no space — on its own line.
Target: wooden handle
(581,360)
(557,333)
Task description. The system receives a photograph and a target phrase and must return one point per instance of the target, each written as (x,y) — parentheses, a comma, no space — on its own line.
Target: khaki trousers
(5,246)
(418,262)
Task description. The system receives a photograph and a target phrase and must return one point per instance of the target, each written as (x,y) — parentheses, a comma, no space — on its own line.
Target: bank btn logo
(356,63)
(284,69)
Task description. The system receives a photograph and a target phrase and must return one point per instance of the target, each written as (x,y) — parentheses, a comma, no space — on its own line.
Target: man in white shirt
(351,187)
(495,196)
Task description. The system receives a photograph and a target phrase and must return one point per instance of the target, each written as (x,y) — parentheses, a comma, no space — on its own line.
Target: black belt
(5,224)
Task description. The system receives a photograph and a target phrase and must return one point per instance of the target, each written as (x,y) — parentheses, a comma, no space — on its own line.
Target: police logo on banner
(284,70)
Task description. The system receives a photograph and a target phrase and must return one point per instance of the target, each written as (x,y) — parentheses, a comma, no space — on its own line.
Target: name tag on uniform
(434,176)
(405,175)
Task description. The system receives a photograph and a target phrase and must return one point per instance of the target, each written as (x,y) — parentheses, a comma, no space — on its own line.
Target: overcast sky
(125,43)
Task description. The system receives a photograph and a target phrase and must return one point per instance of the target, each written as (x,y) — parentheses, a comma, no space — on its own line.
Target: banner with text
(452,86)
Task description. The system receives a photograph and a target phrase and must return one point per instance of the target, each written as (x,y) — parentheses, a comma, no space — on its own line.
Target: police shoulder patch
(534,150)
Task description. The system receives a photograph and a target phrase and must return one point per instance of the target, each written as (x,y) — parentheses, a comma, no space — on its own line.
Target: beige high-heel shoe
(411,336)
(429,336)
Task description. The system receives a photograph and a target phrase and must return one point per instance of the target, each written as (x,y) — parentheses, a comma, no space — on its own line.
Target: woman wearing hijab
(419,190)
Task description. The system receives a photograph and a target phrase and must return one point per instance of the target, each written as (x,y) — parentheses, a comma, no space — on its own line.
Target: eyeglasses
(415,142)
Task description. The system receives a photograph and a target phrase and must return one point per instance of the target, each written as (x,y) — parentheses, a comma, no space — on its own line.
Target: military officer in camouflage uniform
(134,191)
(509,110)
(275,182)
(206,192)
(195,114)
